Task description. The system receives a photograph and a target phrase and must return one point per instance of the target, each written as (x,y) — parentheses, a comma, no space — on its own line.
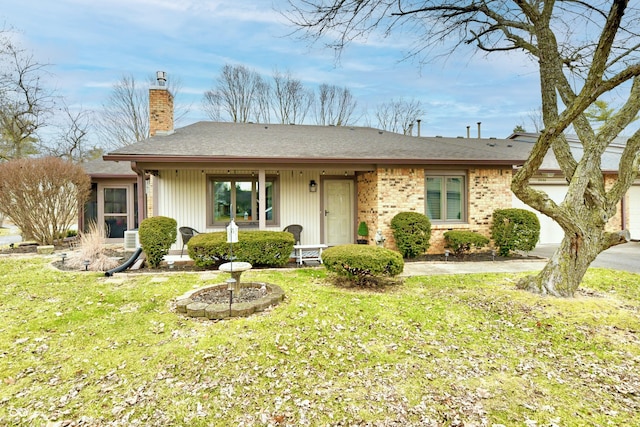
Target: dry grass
(80,349)
(92,248)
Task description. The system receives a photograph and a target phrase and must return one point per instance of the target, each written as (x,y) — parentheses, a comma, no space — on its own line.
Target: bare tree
(399,115)
(237,93)
(71,142)
(25,103)
(583,50)
(334,105)
(291,100)
(261,108)
(124,118)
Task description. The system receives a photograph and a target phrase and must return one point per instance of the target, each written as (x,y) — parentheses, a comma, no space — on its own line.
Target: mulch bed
(124,256)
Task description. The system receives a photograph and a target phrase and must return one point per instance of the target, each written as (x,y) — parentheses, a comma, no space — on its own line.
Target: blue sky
(91,45)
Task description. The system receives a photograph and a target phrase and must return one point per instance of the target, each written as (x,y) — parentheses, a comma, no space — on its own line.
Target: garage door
(550,231)
(633,223)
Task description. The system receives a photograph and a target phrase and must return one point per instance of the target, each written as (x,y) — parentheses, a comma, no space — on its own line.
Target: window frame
(464,195)
(233,179)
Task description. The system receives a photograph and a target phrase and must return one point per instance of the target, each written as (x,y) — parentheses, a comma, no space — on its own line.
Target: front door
(116,212)
(338,211)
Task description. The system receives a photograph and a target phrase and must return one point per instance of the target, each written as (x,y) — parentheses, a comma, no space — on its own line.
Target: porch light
(313,187)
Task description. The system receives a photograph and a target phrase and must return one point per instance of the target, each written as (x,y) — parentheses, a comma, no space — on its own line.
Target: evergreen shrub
(362,264)
(157,234)
(515,229)
(259,248)
(461,241)
(412,231)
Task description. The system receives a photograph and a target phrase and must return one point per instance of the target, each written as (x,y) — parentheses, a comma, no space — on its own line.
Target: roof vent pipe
(418,126)
(468,132)
(479,123)
(161,78)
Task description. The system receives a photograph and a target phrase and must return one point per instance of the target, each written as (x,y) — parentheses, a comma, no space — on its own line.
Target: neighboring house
(550,180)
(325,178)
(113,198)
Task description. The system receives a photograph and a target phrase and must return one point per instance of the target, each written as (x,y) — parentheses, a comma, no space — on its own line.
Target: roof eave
(304,160)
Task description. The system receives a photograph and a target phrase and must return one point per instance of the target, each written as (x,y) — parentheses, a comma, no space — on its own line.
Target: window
(239,196)
(445,199)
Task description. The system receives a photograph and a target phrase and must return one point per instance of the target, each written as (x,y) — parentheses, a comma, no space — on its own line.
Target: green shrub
(264,248)
(363,230)
(515,229)
(157,234)
(361,264)
(462,241)
(412,231)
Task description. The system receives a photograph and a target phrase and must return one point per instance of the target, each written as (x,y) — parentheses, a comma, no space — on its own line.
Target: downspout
(141,181)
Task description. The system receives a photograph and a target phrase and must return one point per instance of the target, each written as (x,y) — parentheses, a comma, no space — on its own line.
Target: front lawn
(82,349)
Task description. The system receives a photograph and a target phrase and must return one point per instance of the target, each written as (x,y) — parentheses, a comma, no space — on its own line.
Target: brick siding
(388,191)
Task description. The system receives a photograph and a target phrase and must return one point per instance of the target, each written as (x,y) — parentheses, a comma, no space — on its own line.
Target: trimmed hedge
(264,248)
(412,231)
(515,229)
(361,263)
(157,234)
(461,241)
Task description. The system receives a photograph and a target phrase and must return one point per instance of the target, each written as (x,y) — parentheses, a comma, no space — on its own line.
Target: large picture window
(445,198)
(239,196)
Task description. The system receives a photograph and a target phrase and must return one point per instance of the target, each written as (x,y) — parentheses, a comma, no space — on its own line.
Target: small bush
(362,264)
(157,234)
(412,231)
(515,229)
(461,241)
(265,248)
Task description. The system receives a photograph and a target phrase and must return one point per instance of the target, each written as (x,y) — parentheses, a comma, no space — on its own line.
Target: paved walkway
(455,267)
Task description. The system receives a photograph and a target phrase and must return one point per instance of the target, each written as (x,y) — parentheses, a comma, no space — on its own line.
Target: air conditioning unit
(131,240)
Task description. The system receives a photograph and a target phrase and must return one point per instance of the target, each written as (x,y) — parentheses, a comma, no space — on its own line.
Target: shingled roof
(218,142)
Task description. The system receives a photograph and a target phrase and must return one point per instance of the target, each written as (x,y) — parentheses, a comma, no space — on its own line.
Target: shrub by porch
(265,248)
(362,263)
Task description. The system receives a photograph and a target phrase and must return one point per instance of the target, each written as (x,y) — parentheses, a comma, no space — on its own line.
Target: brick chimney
(160,107)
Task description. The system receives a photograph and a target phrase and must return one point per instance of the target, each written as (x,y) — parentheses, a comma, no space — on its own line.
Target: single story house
(326,178)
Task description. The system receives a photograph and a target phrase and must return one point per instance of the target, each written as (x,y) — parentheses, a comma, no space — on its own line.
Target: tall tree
(236,93)
(25,102)
(583,50)
(334,105)
(291,100)
(72,140)
(399,115)
(124,118)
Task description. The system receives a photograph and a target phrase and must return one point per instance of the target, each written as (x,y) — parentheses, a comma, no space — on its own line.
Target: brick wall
(367,184)
(389,191)
(160,110)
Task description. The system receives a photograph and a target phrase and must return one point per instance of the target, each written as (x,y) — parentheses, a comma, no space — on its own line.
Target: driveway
(623,257)
(14,237)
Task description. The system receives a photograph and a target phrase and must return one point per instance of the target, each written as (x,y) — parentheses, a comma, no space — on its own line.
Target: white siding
(182,195)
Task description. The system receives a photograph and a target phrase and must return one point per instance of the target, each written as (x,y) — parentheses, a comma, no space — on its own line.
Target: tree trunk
(562,275)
